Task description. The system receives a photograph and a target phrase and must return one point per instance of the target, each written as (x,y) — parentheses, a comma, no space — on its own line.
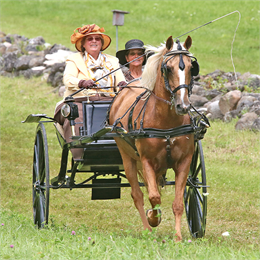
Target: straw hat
(132,44)
(89,29)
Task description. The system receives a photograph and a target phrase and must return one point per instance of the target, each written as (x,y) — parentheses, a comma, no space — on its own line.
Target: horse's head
(177,70)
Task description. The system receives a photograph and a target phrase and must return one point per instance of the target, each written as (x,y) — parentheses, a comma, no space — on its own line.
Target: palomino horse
(164,105)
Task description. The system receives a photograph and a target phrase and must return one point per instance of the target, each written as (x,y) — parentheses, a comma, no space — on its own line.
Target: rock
(1,63)
(246,121)
(212,93)
(31,48)
(54,79)
(229,86)
(230,76)
(38,71)
(2,49)
(256,125)
(232,114)
(245,102)
(198,101)
(215,74)
(37,41)
(245,76)
(16,39)
(198,90)
(57,80)
(36,61)
(26,73)
(62,91)
(22,63)
(213,111)
(255,107)
(254,83)
(9,61)
(57,57)
(55,48)
(229,101)
(13,49)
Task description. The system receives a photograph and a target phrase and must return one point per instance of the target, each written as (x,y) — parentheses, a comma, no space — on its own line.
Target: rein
(76,92)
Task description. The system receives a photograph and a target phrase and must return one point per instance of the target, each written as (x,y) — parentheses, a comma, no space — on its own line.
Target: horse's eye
(169,70)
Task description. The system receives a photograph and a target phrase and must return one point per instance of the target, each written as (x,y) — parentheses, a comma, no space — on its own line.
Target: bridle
(164,70)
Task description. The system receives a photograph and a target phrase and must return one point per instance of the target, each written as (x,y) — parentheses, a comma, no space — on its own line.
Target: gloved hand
(121,84)
(86,83)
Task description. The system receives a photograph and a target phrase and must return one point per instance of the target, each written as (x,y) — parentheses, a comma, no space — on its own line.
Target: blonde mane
(150,70)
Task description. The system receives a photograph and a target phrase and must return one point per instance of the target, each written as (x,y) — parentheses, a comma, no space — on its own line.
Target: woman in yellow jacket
(87,70)
(90,64)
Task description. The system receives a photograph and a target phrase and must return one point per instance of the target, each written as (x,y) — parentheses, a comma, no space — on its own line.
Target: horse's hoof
(153,221)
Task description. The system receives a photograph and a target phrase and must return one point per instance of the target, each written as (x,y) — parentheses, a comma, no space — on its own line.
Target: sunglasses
(97,39)
(138,53)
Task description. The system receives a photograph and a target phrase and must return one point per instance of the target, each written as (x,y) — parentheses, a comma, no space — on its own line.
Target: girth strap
(161,133)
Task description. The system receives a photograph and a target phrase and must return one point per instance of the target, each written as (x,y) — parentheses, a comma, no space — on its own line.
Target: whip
(233,36)
(109,73)
(212,22)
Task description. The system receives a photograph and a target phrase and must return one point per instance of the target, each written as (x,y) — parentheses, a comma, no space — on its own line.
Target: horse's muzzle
(182,109)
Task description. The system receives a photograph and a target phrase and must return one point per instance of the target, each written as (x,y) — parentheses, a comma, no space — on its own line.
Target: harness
(165,71)
(199,122)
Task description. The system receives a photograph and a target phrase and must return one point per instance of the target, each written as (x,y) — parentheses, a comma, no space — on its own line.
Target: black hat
(132,44)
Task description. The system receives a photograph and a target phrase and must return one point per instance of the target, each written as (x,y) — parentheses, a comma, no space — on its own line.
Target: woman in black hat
(133,49)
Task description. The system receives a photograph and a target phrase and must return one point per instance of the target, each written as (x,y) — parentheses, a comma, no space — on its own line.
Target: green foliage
(82,243)
(150,20)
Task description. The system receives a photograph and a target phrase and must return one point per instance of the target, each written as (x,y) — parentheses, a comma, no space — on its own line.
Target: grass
(150,20)
(232,163)
(52,243)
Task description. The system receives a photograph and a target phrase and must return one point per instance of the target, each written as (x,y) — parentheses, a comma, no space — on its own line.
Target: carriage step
(106,193)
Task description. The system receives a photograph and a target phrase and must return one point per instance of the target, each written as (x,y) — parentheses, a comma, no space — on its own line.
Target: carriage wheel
(40,184)
(195,196)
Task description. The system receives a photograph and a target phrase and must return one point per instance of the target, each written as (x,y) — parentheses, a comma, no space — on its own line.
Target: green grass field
(113,229)
(232,163)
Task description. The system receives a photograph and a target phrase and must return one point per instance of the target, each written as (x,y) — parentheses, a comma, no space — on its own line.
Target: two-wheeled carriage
(102,158)
(154,128)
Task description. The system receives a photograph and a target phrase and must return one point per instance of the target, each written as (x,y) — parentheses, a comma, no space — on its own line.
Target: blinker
(195,69)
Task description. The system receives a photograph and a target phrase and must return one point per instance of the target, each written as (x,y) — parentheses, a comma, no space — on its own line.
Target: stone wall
(223,95)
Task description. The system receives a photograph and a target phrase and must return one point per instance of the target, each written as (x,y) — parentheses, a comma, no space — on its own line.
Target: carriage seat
(102,154)
(94,119)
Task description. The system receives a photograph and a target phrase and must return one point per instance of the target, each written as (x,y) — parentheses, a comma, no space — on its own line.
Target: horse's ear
(169,43)
(187,44)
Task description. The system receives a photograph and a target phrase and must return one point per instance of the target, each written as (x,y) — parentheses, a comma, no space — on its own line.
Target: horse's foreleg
(153,215)
(136,193)
(177,205)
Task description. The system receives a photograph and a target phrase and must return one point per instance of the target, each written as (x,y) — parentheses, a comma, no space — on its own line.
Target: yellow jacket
(76,70)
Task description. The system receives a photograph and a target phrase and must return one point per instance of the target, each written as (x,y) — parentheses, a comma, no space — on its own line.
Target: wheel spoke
(197,171)
(36,163)
(187,196)
(199,195)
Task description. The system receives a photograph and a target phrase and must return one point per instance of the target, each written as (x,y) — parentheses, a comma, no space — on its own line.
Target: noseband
(164,69)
